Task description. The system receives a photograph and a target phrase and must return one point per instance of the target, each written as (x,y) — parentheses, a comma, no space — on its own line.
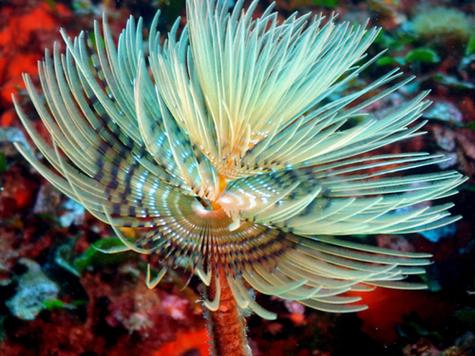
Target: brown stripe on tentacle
(204,238)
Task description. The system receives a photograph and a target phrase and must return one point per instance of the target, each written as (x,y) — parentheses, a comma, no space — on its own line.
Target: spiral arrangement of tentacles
(228,147)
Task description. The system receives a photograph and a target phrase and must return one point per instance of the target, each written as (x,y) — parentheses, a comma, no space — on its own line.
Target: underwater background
(60,296)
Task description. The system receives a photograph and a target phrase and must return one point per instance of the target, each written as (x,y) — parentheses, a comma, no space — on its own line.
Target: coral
(422,347)
(17,193)
(8,254)
(25,31)
(441,24)
(445,111)
(186,343)
(33,290)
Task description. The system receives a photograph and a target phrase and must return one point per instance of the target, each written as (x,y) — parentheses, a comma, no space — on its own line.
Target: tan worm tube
(227,327)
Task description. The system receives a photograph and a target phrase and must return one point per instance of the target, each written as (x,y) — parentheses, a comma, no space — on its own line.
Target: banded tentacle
(341,201)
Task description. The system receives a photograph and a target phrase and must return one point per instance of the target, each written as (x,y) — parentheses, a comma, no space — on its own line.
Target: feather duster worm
(226,148)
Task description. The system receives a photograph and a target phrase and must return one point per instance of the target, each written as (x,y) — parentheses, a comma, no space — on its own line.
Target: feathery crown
(226,147)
